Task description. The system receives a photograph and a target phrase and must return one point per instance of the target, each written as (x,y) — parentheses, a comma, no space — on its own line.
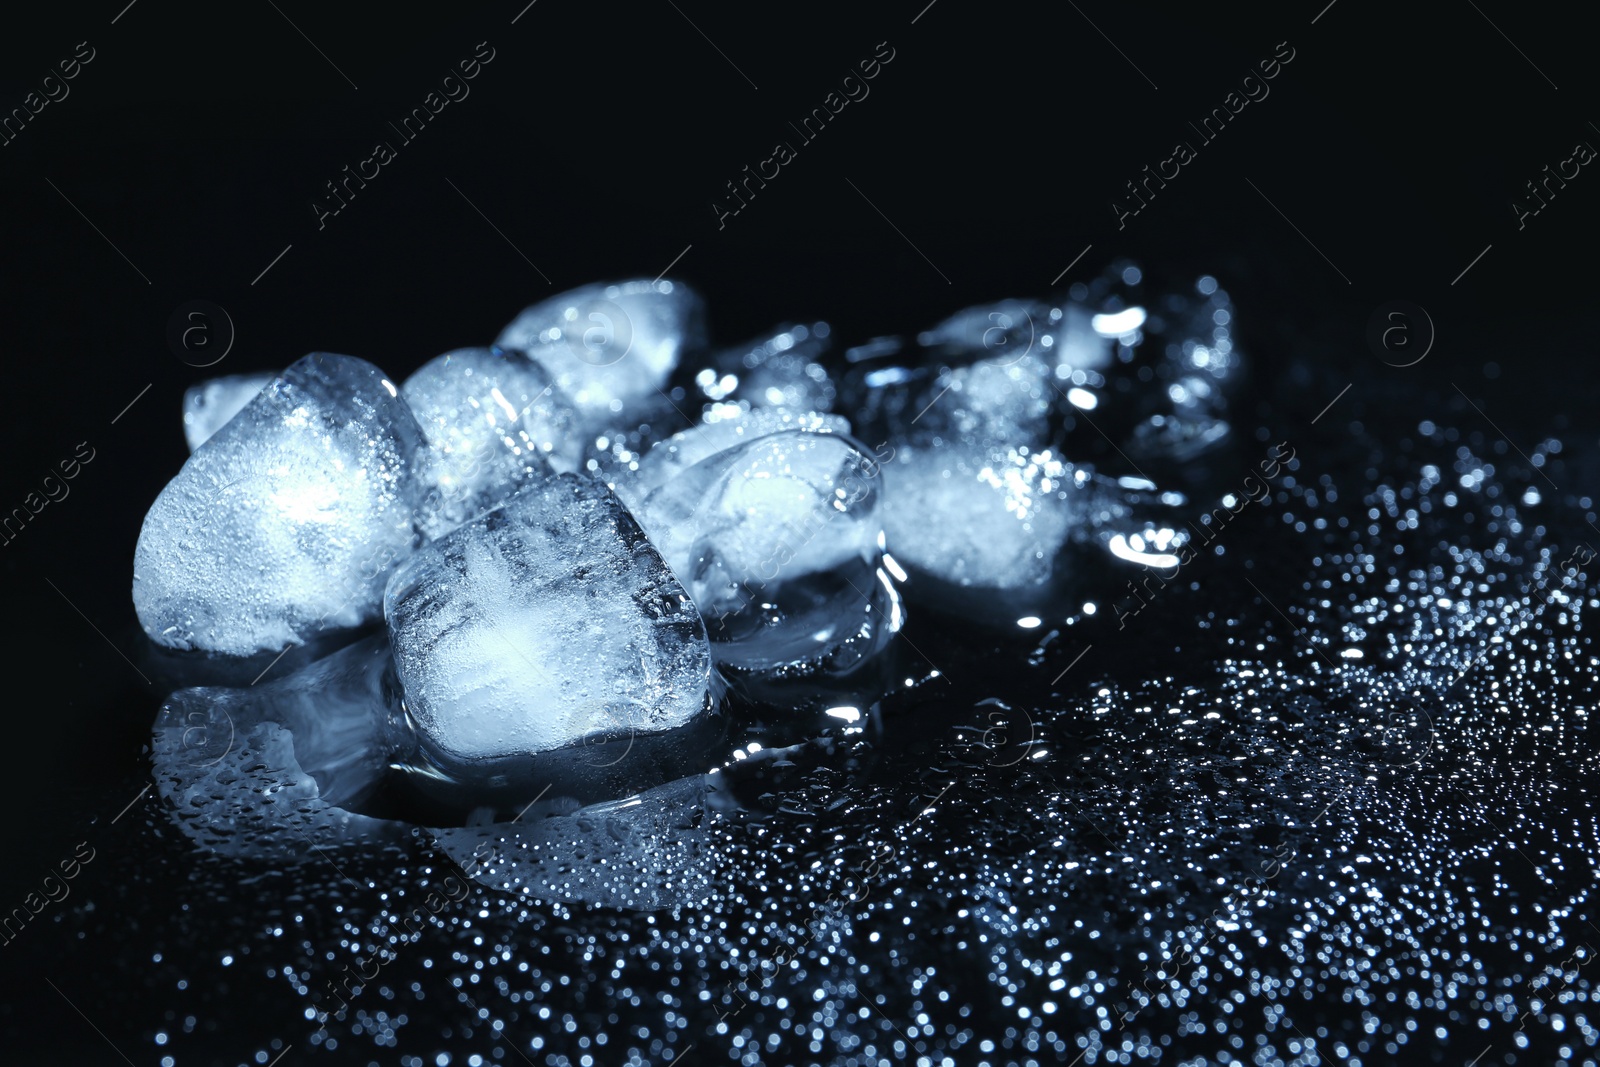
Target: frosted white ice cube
(1003,400)
(287,521)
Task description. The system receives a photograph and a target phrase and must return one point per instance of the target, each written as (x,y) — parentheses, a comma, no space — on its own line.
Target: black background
(594,145)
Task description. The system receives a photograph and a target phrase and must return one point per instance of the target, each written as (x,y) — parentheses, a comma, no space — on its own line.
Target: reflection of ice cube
(645,852)
(494,421)
(778,540)
(288,520)
(990,517)
(210,404)
(268,770)
(545,621)
(608,346)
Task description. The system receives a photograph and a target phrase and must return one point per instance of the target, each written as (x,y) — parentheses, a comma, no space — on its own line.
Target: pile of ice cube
(559,553)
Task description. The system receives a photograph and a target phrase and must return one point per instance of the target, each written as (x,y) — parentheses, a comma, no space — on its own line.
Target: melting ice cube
(287,521)
(780,369)
(211,403)
(494,421)
(609,346)
(547,621)
(779,540)
(978,515)
(974,498)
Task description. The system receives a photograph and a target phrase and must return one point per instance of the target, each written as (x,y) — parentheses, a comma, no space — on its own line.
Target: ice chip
(609,346)
(779,540)
(549,620)
(211,403)
(494,421)
(287,521)
(976,515)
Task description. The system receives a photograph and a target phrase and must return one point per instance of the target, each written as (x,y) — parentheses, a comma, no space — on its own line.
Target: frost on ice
(287,521)
(993,517)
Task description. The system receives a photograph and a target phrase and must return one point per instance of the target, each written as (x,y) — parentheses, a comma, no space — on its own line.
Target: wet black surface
(1211,833)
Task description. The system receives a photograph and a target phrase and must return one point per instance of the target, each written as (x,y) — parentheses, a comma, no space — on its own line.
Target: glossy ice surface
(545,621)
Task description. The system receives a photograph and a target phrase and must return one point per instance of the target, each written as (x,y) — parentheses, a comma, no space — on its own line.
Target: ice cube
(546,621)
(781,369)
(494,421)
(1188,349)
(974,497)
(1000,399)
(287,521)
(779,540)
(726,427)
(609,346)
(211,403)
(978,515)
(1005,329)
(1077,345)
